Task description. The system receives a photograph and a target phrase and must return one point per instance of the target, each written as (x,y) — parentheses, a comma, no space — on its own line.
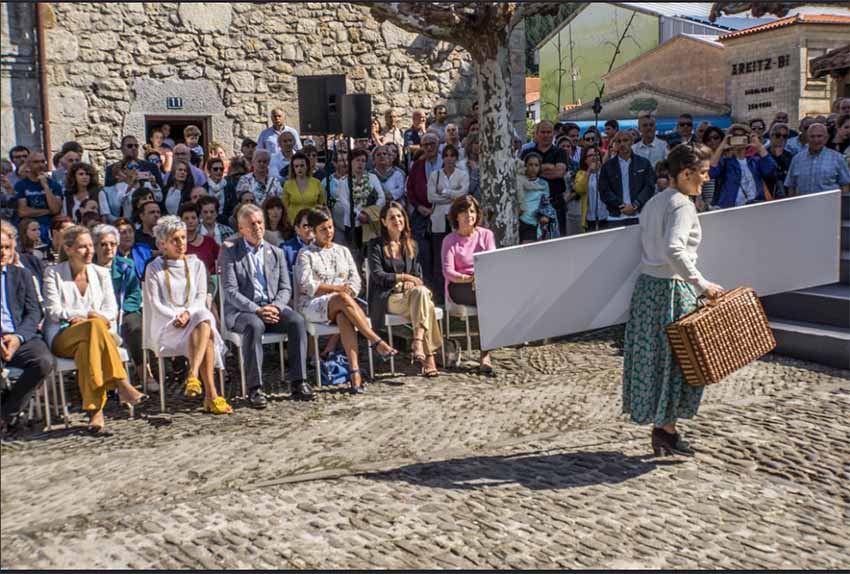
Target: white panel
(575,284)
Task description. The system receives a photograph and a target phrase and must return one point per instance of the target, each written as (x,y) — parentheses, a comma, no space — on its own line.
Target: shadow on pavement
(536,472)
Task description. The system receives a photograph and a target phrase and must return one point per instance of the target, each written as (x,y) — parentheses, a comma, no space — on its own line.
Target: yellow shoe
(218,407)
(193,388)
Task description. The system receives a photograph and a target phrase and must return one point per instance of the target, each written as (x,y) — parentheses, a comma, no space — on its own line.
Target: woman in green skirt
(654,390)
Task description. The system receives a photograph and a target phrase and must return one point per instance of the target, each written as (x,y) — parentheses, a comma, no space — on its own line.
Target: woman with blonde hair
(81,314)
(176,287)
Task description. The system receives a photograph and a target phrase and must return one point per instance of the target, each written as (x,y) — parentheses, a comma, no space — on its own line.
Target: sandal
(94,429)
(356,389)
(193,388)
(420,358)
(219,406)
(383,356)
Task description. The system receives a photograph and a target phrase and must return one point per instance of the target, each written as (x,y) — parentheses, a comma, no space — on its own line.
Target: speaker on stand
(356,124)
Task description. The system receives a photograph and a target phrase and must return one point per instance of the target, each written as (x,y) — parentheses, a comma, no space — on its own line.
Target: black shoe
(258,399)
(302,391)
(667,444)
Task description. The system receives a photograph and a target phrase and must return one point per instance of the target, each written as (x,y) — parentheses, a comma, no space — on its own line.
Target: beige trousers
(417,306)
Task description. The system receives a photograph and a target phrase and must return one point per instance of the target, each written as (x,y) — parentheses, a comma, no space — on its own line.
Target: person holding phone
(594,213)
(654,390)
(740,180)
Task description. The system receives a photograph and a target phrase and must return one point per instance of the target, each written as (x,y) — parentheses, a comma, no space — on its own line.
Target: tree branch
(527,9)
(759,9)
(437,21)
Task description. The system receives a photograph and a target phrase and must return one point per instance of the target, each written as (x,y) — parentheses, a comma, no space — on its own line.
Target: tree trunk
(497,164)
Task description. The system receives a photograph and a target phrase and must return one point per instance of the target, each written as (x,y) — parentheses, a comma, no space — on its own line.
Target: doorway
(178,124)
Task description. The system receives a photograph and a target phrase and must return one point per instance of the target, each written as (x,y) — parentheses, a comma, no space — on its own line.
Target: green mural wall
(593,34)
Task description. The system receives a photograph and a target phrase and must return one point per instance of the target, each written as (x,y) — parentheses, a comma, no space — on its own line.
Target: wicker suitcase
(720,337)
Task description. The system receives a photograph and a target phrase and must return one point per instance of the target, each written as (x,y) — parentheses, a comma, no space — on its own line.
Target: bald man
(817,168)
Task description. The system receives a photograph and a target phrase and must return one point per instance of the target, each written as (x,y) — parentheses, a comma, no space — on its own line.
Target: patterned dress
(317,266)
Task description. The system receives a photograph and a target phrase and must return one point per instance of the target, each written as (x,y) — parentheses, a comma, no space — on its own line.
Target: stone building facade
(119,68)
(694,61)
(768,66)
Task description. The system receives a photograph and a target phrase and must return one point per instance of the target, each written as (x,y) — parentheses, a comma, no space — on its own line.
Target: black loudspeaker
(356,115)
(318,104)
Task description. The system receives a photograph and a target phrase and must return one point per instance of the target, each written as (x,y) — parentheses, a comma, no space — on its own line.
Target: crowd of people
(283,239)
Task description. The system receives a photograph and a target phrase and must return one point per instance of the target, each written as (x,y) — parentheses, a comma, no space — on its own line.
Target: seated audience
(201,246)
(149,215)
(261,182)
(328,283)
(138,253)
(178,187)
(80,323)
(81,184)
(445,185)
(256,290)
(180,324)
(277,224)
(38,196)
(396,286)
(458,251)
(21,346)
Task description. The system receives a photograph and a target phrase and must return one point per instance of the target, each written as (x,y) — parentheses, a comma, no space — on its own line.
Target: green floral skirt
(654,390)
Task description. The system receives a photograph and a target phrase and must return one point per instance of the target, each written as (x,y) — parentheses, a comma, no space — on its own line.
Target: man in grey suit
(256,290)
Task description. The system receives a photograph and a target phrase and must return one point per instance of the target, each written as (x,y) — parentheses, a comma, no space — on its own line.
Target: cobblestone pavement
(535,468)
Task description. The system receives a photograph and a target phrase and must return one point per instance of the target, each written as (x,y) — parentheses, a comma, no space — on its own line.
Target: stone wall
(683,64)
(762,93)
(111,64)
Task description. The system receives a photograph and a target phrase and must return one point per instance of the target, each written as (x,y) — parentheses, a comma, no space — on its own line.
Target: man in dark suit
(256,290)
(626,182)
(20,344)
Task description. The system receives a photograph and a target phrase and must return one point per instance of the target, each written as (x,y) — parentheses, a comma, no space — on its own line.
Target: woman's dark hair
(302,215)
(359,152)
(186,190)
(710,130)
(318,216)
(136,201)
(461,204)
(582,162)
(406,239)
(238,166)
(71,183)
(684,157)
(26,243)
(662,169)
(450,149)
(213,161)
(296,156)
(187,207)
(283,225)
(209,200)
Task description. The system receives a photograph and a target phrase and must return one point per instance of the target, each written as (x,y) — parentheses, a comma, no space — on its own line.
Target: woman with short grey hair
(128,296)
(180,323)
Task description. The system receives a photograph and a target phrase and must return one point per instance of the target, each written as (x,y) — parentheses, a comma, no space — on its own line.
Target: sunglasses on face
(685,125)
(131,145)
(217,169)
(781,136)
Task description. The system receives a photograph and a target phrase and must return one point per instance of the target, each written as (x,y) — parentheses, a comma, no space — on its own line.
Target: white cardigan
(442,191)
(62,299)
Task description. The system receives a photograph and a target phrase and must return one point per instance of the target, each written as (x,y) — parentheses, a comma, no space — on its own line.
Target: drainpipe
(42,82)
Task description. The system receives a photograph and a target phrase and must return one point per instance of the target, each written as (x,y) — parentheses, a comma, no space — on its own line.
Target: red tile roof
(789,21)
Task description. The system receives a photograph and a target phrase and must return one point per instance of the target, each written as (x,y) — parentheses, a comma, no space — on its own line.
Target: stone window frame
(815,49)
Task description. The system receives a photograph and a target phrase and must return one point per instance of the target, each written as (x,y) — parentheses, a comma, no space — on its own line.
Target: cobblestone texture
(533,469)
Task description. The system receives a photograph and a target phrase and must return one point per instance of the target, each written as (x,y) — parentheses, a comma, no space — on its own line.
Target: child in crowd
(532,191)
(662,176)
(192,134)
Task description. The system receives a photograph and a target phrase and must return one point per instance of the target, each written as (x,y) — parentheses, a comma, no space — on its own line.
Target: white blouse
(62,298)
(670,235)
(442,191)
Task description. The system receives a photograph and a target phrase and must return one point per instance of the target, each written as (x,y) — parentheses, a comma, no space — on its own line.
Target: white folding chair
(62,365)
(236,338)
(316,330)
(391,321)
(148,344)
(462,311)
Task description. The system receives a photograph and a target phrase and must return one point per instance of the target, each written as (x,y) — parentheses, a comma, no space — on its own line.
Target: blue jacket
(140,254)
(728,176)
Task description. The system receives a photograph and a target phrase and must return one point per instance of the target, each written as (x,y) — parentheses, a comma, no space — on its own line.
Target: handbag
(720,337)
(335,370)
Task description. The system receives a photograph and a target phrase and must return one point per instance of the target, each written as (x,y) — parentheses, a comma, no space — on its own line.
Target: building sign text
(761,65)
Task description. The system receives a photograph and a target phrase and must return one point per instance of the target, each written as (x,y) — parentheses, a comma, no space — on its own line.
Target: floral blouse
(317,266)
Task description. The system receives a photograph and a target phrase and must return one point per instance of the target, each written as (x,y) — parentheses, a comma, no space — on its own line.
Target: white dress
(169,339)
(316,266)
